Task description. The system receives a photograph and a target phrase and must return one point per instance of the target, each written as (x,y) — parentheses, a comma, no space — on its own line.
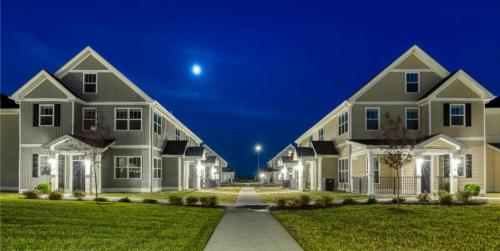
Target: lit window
(157,124)
(343,123)
(46,117)
(412,82)
(43,162)
(90,83)
(461,166)
(128,167)
(156,168)
(457,112)
(344,170)
(412,118)
(89,119)
(372,118)
(128,119)
(320,134)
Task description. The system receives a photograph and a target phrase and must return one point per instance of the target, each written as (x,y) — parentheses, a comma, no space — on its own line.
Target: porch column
(199,170)
(54,172)
(300,174)
(186,175)
(319,168)
(179,174)
(312,175)
(453,174)
(418,174)
(370,174)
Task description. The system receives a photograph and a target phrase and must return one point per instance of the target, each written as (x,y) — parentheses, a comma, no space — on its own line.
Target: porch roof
(175,147)
(324,148)
(95,142)
(304,151)
(288,160)
(194,151)
(495,145)
(210,159)
(419,142)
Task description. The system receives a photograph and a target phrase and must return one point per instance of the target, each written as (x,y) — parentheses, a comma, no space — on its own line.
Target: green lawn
(225,196)
(376,227)
(270,197)
(82,225)
(495,195)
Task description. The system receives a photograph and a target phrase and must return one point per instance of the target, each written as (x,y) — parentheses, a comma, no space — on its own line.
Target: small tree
(397,146)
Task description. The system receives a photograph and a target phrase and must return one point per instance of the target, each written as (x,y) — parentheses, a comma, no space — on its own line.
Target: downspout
(150,149)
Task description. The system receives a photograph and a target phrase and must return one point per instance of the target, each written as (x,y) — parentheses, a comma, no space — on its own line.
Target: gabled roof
(465,79)
(35,81)
(419,142)
(88,51)
(304,151)
(287,148)
(495,103)
(175,147)
(194,151)
(324,148)
(288,160)
(210,159)
(495,146)
(96,142)
(7,103)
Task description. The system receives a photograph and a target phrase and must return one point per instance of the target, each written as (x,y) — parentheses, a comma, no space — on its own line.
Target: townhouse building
(452,120)
(88,127)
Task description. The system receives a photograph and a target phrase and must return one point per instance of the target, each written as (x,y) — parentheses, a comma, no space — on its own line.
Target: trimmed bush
(101,199)
(304,200)
(445,198)
(281,202)
(395,200)
(371,200)
(464,196)
(474,189)
(204,201)
(320,202)
(213,200)
(31,194)
(424,197)
(293,202)
(44,187)
(124,199)
(191,200)
(149,201)
(79,194)
(175,200)
(56,195)
(349,201)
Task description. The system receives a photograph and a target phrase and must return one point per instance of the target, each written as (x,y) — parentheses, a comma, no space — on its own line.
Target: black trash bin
(329,184)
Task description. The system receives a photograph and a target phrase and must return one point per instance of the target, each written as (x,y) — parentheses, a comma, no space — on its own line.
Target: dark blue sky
(271,70)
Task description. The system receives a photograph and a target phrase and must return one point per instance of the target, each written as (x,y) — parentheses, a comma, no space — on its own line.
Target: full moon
(196,69)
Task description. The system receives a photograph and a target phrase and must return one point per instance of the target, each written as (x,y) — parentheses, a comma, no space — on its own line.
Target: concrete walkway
(250,226)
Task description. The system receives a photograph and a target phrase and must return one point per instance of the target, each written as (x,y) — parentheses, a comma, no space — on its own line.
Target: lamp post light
(258,149)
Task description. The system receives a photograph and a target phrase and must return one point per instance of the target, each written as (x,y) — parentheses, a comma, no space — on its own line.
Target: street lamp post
(258,148)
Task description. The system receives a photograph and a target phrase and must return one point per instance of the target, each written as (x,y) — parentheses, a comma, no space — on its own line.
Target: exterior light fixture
(87,166)
(420,162)
(53,166)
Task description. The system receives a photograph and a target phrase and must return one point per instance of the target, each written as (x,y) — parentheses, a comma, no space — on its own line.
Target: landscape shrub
(44,187)
(204,201)
(474,189)
(319,202)
(464,196)
(328,199)
(281,202)
(79,194)
(191,200)
(445,198)
(371,200)
(175,200)
(349,201)
(213,200)
(423,197)
(293,202)
(124,199)
(101,199)
(31,194)
(149,201)
(56,195)
(304,200)
(395,200)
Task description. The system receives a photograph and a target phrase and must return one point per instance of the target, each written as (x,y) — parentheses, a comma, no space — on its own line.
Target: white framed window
(157,168)
(128,119)
(343,123)
(157,123)
(46,115)
(343,170)
(372,118)
(412,118)
(457,114)
(90,83)
(89,119)
(128,167)
(320,134)
(178,135)
(461,166)
(412,82)
(44,165)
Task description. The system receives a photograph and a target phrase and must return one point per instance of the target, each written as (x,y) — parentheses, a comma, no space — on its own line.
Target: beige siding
(424,120)
(477,150)
(359,166)
(457,90)
(90,63)
(493,124)
(493,170)
(476,130)
(412,62)
(392,87)
(46,90)
(329,169)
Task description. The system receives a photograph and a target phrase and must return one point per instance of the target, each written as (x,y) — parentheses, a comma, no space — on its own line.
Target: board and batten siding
(43,134)
(27,181)
(109,183)
(493,170)
(412,62)
(90,63)
(457,90)
(9,151)
(171,169)
(493,125)
(475,130)
(476,149)
(109,88)
(46,89)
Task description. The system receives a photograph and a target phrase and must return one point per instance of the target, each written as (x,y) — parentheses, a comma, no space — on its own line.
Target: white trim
(115,103)
(73,117)
(464,115)
(126,167)
(90,71)
(430,118)
(126,190)
(385,103)
(19,151)
(406,118)
(406,81)
(458,99)
(52,115)
(13,111)
(154,123)
(30,145)
(366,119)
(493,147)
(479,138)
(84,83)
(83,118)
(130,146)
(46,100)
(161,167)
(128,118)
(412,70)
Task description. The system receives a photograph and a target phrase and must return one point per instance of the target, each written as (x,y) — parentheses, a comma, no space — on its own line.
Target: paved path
(250,226)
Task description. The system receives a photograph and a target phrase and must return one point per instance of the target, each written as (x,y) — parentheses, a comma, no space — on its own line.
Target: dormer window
(89,83)
(412,82)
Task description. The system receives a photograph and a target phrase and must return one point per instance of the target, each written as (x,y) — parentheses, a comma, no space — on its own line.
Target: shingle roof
(495,103)
(496,145)
(439,84)
(287,159)
(175,147)
(380,142)
(7,103)
(95,142)
(64,85)
(210,159)
(194,151)
(304,151)
(324,148)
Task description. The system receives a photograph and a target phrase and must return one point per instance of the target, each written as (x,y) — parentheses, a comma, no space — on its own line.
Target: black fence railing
(442,183)
(391,185)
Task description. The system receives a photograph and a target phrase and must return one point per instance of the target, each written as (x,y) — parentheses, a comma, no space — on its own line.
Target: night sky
(270,70)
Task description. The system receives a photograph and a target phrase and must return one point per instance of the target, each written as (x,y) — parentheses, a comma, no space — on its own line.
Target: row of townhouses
(88,127)
(453,121)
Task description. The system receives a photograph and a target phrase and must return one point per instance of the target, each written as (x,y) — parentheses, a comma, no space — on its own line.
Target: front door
(78,175)
(426,174)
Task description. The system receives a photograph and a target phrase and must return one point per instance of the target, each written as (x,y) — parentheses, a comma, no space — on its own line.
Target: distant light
(196,69)
(258,148)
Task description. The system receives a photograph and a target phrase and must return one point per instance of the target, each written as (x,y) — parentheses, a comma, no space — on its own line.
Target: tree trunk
(399,183)
(95,179)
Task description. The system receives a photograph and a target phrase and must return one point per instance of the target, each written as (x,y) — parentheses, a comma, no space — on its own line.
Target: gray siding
(9,151)
(170,172)
(107,166)
(109,88)
(90,63)
(46,90)
(26,170)
(43,134)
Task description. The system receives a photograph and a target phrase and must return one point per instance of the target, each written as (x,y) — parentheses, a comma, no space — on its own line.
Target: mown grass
(376,227)
(224,197)
(83,225)
(272,196)
(494,195)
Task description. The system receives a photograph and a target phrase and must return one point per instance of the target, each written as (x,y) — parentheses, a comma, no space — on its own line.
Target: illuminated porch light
(53,166)
(87,166)
(420,162)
